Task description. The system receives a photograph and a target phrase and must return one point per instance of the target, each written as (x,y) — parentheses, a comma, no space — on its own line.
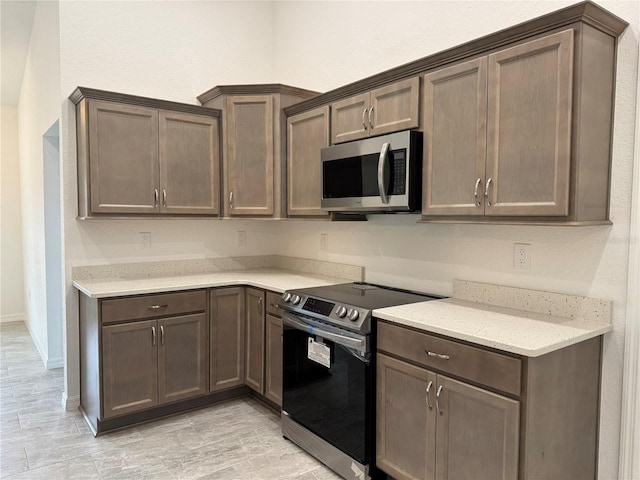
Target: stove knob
(341,312)
(295,299)
(353,315)
(286,297)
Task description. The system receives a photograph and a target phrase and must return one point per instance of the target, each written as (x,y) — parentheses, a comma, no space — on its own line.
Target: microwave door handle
(383,172)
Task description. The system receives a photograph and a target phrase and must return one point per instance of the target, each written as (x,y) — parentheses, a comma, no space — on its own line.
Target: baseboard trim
(13,318)
(52,363)
(36,341)
(70,403)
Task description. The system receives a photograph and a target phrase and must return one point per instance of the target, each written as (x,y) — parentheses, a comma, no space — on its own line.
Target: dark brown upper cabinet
(498,132)
(390,108)
(139,156)
(307,135)
(254,146)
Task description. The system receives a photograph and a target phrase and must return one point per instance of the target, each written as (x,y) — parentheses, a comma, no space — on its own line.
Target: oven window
(331,402)
(358,176)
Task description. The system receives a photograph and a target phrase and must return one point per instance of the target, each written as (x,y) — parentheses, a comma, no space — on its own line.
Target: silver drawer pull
(441,356)
(274,305)
(157,307)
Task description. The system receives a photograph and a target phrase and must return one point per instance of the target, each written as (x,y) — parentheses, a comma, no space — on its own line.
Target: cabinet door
(394,107)
(307,133)
(273,360)
(182,357)
(123,158)
(455,139)
(477,434)
(405,419)
(130,367)
(529,127)
(227,338)
(189,164)
(249,163)
(349,118)
(254,363)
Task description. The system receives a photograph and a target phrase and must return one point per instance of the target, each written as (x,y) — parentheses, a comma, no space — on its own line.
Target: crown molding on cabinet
(254,89)
(81,93)
(585,12)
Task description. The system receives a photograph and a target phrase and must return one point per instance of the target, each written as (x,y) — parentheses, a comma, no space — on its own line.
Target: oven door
(328,384)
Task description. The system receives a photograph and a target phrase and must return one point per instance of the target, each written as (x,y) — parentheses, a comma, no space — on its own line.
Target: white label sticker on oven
(319,352)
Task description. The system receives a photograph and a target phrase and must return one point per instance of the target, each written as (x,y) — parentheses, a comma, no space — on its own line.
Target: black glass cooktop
(365,295)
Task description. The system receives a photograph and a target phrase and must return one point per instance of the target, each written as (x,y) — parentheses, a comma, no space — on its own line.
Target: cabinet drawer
(475,364)
(149,306)
(272,304)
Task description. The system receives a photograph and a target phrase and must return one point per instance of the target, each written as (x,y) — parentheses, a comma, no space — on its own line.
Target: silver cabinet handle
(155,197)
(438,400)
(260,306)
(441,356)
(275,305)
(162,334)
(153,336)
(370,121)
(475,192)
(230,199)
(486,192)
(164,198)
(383,172)
(364,125)
(157,307)
(429,385)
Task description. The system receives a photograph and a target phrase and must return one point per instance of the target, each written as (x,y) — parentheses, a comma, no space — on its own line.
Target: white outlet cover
(522,256)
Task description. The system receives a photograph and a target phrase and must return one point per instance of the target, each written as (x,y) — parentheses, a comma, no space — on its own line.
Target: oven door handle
(359,344)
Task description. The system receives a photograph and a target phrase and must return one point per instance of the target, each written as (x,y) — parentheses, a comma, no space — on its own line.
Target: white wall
(11,278)
(38,109)
(172,51)
(328,44)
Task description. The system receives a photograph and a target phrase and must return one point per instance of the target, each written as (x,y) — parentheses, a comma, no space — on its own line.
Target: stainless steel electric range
(328,397)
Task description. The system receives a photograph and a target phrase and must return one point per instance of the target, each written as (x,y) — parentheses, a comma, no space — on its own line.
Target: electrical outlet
(324,241)
(242,238)
(522,256)
(145,240)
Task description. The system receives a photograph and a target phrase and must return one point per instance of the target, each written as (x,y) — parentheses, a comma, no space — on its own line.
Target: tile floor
(39,440)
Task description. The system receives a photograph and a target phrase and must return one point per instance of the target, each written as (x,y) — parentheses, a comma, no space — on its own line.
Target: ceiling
(16,21)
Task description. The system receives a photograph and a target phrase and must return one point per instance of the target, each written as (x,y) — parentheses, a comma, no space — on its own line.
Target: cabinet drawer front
(272,304)
(477,365)
(149,306)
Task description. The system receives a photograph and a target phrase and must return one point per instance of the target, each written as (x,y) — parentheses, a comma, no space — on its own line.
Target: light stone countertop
(268,278)
(508,329)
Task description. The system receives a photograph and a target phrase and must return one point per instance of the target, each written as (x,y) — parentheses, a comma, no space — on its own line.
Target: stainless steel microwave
(378,174)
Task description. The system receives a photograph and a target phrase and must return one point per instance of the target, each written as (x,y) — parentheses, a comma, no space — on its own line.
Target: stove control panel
(347,316)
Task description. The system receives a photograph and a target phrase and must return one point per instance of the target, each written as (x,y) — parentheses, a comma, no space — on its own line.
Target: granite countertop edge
(509,330)
(276,280)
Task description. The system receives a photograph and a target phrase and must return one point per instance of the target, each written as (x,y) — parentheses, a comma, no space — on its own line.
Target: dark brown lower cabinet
(254,358)
(142,356)
(153,362)
(130,367)
(182,357)
(273,359)
(450,410)
(227,327)
(428,423)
